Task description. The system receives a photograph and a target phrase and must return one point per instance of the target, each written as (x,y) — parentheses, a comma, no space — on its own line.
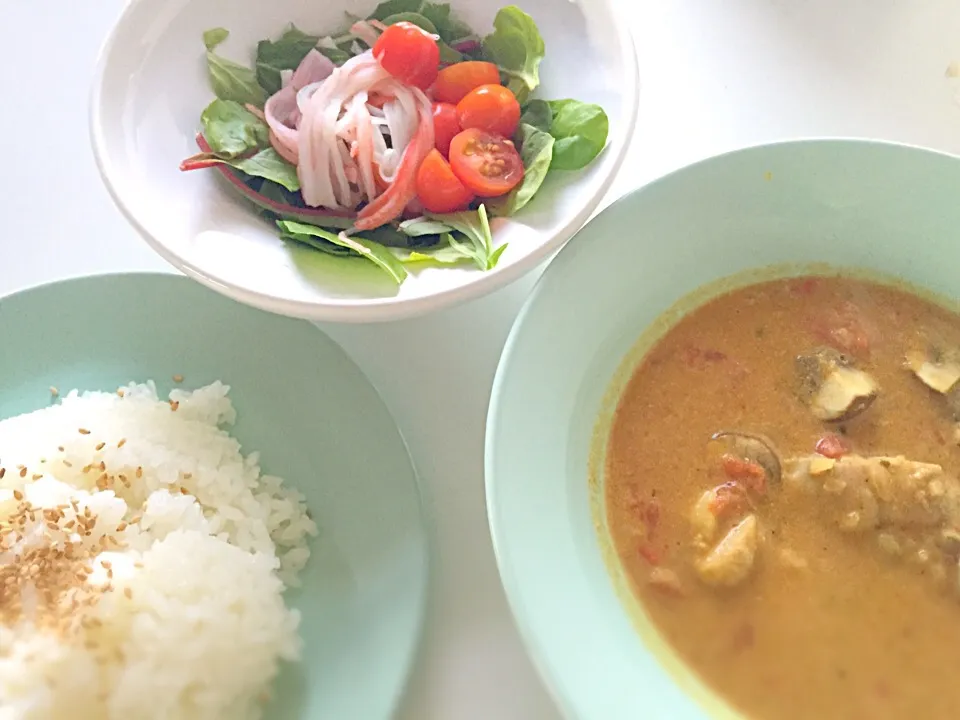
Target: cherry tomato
(438,188)
(490,107)
(445,126)
(409,53)
(487,164)
(455,81)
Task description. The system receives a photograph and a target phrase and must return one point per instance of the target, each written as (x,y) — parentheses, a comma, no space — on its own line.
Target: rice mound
(143,560)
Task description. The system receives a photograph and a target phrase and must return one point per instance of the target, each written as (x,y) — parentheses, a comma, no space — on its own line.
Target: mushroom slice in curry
(936,369)
(832,387)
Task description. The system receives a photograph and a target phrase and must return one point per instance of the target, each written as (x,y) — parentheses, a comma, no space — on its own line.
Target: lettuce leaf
(581,132)
(536,152)
(517,47)
(230,80)
(368,249)
(285,53)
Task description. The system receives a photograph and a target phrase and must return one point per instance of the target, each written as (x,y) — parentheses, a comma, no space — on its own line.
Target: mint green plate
(884,209)
(316,421)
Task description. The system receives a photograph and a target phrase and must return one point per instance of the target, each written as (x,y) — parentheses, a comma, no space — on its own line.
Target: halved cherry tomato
(438,188)
(490,107)
(487,164)
(409,53)
(446,126)
(455,81)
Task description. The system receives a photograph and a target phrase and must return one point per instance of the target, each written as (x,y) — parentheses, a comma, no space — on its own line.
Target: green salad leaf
(285,53)
(372,251)
(215,36)
(447,54)
(392,7)
(538,114)
(536,152)
(333,53)
(581,132)
(268,164)
(449,27)
(420,226)
(231,130)
(240,139)
(314,241)
(230,80)
(448,253)
(411,17)
(477,240)
(517,47)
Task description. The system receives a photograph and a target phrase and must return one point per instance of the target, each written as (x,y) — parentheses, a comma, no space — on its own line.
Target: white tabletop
(716,75)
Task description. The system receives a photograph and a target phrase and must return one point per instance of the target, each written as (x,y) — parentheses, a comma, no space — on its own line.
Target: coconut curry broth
(810,571)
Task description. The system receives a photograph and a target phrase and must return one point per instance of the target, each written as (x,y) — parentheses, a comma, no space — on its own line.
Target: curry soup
(781,491)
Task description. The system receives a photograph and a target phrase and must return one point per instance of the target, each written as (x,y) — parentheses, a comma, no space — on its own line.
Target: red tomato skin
(490,107)
(455,81)
(438,188)
(488,164)
(409,53)
(446,126)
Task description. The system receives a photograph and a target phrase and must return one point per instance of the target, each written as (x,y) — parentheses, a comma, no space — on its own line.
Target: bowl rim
(512,585)
(357,310)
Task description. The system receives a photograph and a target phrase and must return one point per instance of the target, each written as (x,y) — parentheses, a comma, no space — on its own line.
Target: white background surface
(715,75)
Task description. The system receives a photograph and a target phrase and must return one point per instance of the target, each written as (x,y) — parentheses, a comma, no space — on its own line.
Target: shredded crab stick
(355,133)
(403,189)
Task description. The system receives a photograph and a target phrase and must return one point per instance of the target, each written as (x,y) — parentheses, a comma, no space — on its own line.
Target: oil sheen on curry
(782,489)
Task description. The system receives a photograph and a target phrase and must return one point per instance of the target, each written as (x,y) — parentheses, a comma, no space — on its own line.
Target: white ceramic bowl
(151,85)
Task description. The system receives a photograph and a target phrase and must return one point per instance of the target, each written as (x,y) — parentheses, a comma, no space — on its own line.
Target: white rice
(189,620)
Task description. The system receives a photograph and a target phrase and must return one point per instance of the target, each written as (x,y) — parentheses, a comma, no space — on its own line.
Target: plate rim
(426,528)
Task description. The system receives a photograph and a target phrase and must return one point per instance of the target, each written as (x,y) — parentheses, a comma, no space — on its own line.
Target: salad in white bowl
(401,148)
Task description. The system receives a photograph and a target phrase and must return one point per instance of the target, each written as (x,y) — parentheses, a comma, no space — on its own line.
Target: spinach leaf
(449,28)
(215,36)
(536,151)
(231,130)
(517,47)
(269,165)
(230,80)
(316,243)
(416,227)
(447,54)
(439,15)
(538,114)
(392,236)
(372,251)
(334,54)
(411,17)
(392,7)
(446,254)
(477,243)
(286,53)
(271,191)
(581,133)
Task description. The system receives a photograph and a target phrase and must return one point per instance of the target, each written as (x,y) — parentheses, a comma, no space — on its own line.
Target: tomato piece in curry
(781,487)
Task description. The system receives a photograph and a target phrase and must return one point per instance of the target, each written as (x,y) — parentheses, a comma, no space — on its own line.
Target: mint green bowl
(886,209)
(317,422)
